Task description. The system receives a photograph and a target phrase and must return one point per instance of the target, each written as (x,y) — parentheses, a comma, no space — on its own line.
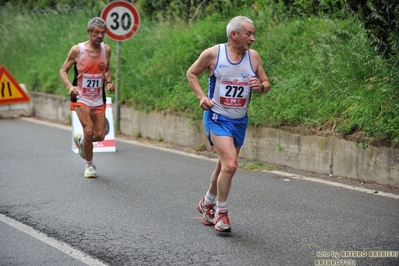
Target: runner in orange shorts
(90,60)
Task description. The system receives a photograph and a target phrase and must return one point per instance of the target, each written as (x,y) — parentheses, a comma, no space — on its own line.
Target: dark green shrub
(381,21)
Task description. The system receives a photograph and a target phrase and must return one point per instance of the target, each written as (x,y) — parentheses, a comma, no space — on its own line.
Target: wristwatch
(262,88)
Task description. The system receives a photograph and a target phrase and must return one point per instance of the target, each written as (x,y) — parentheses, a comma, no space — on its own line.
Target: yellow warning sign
(10,91)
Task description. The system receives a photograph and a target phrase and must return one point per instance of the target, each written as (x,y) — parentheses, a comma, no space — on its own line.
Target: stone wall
(328,154)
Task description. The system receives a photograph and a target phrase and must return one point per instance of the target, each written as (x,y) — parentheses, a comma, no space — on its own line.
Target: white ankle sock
(209,198)
(221,205)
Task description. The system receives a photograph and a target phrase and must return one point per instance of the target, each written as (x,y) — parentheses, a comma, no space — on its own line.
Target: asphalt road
(142,210)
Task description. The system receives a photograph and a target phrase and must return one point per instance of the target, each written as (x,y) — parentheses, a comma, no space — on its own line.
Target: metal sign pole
(123,21)
(117,89)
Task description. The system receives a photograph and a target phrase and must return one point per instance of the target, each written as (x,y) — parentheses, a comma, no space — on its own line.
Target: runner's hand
(206,103)
(110,87)
(73,91)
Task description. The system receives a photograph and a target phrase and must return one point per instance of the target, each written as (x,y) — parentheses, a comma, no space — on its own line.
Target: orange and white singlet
(90,74)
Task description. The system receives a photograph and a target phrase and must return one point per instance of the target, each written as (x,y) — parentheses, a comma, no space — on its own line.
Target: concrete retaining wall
(17,109)
(319,154)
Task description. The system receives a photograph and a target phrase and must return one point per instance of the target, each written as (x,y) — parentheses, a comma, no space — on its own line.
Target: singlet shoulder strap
(82,47)
(103,49)
(218,56)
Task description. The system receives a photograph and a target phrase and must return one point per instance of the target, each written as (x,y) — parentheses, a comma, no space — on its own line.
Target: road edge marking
(294,176)
(335,184)
(61,246)
(134,142)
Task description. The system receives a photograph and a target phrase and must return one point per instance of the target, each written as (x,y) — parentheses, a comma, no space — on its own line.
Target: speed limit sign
(122,19)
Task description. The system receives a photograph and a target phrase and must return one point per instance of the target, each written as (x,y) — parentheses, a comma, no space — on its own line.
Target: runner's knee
(88,132)
(99,136)
(230,167)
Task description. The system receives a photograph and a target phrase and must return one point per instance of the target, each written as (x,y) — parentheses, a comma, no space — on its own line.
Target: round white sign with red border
(122,19)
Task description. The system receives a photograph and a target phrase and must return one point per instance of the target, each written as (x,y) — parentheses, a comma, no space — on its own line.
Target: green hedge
(323,72)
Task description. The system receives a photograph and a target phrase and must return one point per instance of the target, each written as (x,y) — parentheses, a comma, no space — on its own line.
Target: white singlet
(228,87)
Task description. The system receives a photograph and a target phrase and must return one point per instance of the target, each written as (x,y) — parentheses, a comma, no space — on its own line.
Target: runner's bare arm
(205,61)
(260,72)
(108,74)
(66,66)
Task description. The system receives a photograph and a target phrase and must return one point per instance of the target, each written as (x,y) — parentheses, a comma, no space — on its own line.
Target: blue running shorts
(223,126)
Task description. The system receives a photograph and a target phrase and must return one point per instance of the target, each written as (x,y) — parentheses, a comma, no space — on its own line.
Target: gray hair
(97,21)
(235,24)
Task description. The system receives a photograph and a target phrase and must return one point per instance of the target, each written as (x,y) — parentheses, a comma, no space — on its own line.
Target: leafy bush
(323,72)
(167,10)
(330,8)
(43,6)
(381,20)
(328,60)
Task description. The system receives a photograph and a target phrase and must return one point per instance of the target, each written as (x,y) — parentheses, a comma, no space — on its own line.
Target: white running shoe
(221,221)
(207,212)
(77,138)
(90,171)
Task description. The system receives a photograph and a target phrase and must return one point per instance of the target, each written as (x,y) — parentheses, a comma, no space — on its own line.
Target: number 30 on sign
(122,19)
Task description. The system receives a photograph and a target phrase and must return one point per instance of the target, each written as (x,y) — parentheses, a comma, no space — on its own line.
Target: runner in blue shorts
(223,126)
(234,72)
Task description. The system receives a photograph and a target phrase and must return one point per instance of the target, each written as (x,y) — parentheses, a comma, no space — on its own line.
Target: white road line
(336,184)
(134,142)
(167,150)
(294,176)
(43,122)
(67,249)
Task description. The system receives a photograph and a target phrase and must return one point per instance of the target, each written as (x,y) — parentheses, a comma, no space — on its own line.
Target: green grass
(323,72)
(257,166)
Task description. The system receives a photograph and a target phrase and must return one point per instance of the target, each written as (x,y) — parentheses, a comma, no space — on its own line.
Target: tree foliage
(56,5)
(330,8)
(381,21)
(379,17)
(188,10)
(322,68)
